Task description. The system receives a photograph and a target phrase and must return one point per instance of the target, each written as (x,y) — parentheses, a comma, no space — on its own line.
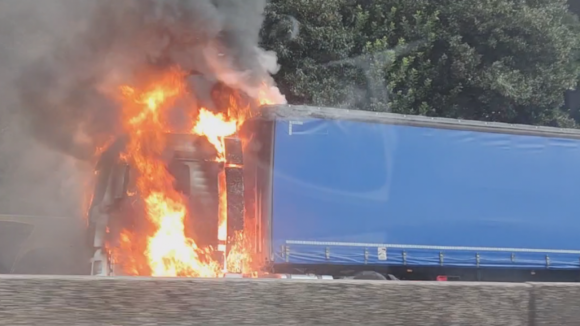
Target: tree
(326,34)
(495,60)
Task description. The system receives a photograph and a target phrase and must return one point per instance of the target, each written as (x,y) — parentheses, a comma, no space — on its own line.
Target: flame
(223,208)
(125,257)
(268,95)
(215,127)
(163,248)
(168,251)
(238,260)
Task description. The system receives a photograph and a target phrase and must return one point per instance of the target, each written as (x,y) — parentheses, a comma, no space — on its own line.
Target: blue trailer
(340,191)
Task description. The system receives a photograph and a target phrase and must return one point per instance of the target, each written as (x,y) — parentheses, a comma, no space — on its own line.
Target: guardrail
(92,301)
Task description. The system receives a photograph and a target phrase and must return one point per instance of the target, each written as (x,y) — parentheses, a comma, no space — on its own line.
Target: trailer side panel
(347,192)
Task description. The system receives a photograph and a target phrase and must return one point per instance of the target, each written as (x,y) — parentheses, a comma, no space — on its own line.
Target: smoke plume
(66,95)
(61,62)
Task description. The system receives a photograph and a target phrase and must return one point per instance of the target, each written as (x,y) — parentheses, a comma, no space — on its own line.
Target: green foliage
(326,34)
(499,60)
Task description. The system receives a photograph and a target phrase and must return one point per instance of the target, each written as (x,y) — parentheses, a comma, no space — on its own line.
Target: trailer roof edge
(298,112)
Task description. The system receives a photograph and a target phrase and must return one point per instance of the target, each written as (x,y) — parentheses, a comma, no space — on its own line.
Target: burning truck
(308,192)
(157,92)
(176,243)
(171,202)
(203,171)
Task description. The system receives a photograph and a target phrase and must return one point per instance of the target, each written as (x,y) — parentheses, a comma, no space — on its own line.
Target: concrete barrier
(556,304)
(84,301)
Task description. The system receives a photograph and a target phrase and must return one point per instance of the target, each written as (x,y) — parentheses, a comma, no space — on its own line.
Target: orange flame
(223,208)
(238,260)
(165,249)
(265,96)
(169,252)
(215,127)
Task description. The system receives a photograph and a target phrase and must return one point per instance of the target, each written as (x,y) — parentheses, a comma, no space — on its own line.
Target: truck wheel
(369,275)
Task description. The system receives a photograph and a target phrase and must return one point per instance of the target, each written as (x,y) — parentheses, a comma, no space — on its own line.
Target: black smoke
(66,94)
(62,60)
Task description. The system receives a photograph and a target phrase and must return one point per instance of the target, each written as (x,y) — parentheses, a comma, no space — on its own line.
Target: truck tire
(369,275)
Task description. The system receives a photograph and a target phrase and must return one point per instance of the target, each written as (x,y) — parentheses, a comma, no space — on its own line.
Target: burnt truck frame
(250,196)
(191,161)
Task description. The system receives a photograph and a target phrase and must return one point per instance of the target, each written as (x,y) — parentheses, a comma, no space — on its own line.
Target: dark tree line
(493,60)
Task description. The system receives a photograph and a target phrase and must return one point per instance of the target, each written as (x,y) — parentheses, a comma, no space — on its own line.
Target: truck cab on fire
(190,160)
